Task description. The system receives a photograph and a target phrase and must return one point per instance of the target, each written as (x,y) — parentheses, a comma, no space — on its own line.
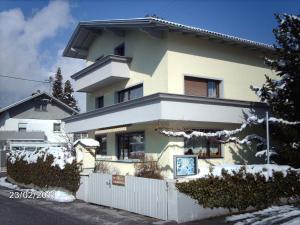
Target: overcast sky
(33,33)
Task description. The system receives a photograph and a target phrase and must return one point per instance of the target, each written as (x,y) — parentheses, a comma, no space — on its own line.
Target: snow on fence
(155,198)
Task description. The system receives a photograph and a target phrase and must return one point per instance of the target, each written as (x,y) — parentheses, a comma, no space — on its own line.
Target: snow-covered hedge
(242,189)
(48,167)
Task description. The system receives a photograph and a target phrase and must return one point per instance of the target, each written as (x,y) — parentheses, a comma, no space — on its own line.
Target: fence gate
(139,195)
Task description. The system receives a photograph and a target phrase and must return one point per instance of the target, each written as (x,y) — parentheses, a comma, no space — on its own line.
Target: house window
(130,93)
(131,145)
(102,150)
(99,102)
(201,87)
(37,107)
(22,127)
(204,147)
(56,127)
(120,50)
(80,136)
(44,107)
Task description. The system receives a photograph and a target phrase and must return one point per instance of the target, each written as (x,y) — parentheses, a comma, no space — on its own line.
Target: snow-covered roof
(87,142)
(86,32)
(35,96)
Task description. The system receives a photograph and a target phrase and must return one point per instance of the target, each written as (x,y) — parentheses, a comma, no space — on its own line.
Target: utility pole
(268,138)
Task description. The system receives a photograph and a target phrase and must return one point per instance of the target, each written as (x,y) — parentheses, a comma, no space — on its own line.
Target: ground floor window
(131,145)
(102,149)
(204,147)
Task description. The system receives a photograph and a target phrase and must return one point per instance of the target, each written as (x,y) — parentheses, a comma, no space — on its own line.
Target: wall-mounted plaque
(185,165)
(118,180)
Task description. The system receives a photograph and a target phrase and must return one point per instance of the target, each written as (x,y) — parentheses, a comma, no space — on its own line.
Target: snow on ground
(88,142)
(266,170)
(51,194)
(61,155)
(284,215)
(4,183)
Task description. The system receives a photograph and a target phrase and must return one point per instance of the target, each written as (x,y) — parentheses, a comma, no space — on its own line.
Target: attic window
(120,50)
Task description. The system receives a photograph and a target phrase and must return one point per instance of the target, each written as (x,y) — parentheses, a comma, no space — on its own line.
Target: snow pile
(61,156)
(87,142)
(55,195)
(6,184)
(62,196)
(284,215)
(264,169)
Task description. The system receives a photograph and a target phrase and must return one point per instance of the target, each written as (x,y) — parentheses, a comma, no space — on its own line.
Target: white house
(148,74)
(34,122)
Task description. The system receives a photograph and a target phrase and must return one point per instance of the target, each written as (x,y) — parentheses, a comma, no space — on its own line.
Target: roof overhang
(86,32)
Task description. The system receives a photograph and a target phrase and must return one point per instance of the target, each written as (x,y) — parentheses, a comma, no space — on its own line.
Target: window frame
(22,128)
(129,89)
(97,102)
(218,84)
(207,147)
(128,134)
(99,150)
(54,124)
(118,47)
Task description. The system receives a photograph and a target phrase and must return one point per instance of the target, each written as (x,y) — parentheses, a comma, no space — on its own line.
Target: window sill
(219,157)
(119,160)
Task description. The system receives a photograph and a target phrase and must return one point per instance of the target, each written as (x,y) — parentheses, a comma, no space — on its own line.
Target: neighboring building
(147,74)
(33,123)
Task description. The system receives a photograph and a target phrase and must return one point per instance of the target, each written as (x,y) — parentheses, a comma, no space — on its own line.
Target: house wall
(26,111)
(162,149)
(161,64)
(11,124)
(237,68)
(148,66)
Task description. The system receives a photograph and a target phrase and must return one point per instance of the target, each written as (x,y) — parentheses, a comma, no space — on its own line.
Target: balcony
(105,71)
(165,107)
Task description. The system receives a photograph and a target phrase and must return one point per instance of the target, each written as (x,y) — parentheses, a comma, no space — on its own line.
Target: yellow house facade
(144,75)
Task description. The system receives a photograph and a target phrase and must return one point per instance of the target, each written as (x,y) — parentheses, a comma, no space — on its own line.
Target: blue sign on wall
(185,165)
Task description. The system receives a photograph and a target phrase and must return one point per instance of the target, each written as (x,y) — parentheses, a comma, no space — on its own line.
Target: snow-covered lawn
(266,170)
(281,215)
(54,195)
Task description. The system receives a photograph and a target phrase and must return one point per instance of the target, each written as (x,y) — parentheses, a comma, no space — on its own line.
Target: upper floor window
(130,93)
(40,107)
(56,127)
(99,102)
(201,87)
(22,127)
(120,50)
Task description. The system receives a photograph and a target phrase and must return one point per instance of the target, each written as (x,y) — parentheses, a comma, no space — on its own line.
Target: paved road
(33,212)
(36,211)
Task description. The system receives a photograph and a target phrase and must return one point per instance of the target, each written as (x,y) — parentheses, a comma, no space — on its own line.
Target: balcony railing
(105,71)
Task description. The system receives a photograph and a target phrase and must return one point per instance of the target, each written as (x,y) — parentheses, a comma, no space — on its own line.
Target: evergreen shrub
(43,174)
(240,190)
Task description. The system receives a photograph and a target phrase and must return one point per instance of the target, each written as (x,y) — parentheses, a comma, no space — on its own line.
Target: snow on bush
(264,169)
(61,156)
(53,167)
(251,186)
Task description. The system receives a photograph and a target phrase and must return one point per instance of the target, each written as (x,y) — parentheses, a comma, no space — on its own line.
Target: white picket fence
(155,198)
